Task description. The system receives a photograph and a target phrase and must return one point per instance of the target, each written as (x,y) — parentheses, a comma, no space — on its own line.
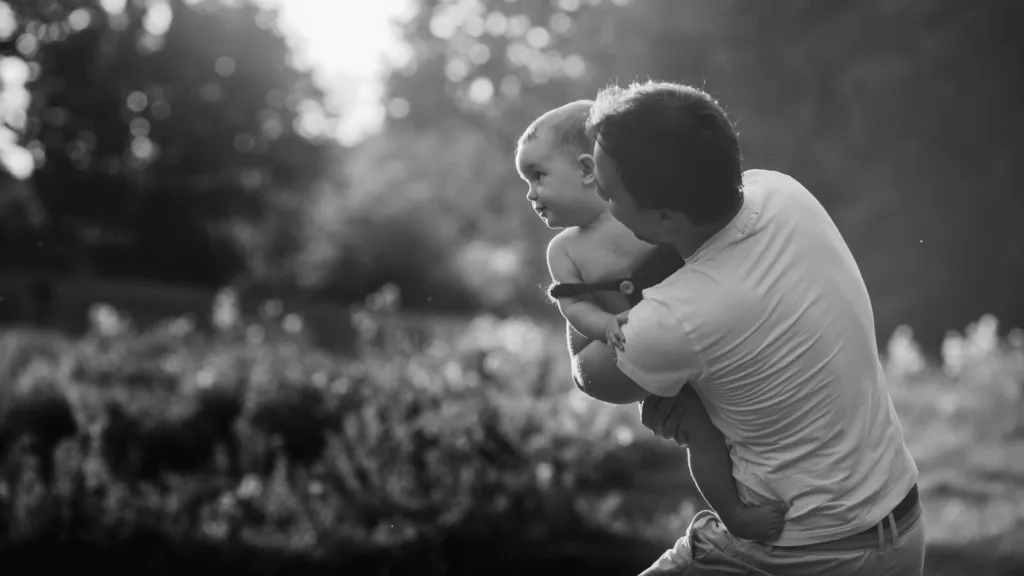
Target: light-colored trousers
(893,549)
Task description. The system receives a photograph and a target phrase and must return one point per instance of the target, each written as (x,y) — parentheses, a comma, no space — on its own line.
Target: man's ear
(586,164)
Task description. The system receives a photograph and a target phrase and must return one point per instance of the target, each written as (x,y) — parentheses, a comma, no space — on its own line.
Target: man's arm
(595,372)
(659,353)
(685,420)
(586,317)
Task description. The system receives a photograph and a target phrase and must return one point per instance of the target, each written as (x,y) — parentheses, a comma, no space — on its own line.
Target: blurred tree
(173,139)
(901,117)
(480,72)
(413,200)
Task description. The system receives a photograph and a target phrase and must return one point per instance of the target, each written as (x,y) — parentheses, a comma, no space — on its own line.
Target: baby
(594,265)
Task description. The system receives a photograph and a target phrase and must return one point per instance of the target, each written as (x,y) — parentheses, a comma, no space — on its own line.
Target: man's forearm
(576,341)
(596,374)
(587,318)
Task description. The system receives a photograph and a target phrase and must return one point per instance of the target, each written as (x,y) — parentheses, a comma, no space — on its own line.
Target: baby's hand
(613,331)
(759,523)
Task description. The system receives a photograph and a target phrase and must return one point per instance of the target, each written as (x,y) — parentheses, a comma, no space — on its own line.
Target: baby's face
(556,188)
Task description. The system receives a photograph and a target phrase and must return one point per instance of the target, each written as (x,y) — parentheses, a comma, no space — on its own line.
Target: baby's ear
(586,163)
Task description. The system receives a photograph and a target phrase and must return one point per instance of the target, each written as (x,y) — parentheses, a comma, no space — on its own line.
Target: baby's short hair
(568,124)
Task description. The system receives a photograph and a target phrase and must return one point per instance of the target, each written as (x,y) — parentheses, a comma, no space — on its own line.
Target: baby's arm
(711,468)
(582,314)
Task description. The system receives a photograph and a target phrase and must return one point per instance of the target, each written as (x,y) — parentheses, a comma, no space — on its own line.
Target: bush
(249,436)
(421,448)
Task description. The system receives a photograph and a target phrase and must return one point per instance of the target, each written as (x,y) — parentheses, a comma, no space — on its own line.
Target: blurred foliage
(177,142)
(166,137)
(876,106)
(249,436)
(412,216)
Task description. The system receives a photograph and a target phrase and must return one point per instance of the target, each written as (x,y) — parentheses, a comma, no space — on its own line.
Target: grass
(444,447)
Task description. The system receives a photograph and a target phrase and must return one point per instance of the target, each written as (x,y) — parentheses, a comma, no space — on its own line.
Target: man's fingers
(651,410)
(663,416)
(673,421)
(666,425)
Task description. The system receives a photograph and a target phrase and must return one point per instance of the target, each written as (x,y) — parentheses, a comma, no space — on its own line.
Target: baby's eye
(538,176)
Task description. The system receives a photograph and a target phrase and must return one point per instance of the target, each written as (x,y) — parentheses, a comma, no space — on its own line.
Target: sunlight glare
(157,20)
(347,44)
(113,6)
(8,21)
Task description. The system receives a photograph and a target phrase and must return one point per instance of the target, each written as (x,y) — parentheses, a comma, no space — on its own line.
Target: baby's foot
(760,523)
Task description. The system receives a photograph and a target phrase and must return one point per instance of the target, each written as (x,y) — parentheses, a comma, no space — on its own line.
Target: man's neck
(694,238)
(688,244)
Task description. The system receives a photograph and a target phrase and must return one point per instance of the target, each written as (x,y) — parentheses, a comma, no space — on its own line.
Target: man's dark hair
(674,147)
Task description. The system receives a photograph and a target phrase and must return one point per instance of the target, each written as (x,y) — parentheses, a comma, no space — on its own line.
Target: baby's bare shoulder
(567,241)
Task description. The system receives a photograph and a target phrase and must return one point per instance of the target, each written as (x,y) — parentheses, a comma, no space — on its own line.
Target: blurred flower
(182,326)
(271,309)
(544,472)
(953,353)
(316,488)
(215,528)
(388,298)
(979,343)
(105,320)
(250,487)
(1016,339)
(255,334)
(226,313)
(206,377)
(982,338)
(904,354)
(292,323)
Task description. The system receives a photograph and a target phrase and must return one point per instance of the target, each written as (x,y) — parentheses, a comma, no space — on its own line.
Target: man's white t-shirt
(771,322)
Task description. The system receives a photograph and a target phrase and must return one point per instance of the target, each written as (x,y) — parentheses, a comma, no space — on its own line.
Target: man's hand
(663,416)
(613,331)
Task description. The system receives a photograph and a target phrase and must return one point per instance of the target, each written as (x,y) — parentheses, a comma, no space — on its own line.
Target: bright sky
(347,43)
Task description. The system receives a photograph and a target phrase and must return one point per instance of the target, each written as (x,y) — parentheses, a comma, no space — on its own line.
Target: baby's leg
(711,468)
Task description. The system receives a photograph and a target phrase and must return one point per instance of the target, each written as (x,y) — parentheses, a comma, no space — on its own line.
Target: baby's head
(555,158)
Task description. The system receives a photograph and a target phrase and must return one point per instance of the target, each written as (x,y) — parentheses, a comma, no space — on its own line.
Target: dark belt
(901,509)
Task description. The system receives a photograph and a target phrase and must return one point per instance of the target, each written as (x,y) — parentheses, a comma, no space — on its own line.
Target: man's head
(555,158)
(667,159)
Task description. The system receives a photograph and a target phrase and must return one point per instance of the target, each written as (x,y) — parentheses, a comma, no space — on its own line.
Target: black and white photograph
(505,287)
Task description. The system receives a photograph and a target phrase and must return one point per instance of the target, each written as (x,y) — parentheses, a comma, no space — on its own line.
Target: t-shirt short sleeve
(659,354)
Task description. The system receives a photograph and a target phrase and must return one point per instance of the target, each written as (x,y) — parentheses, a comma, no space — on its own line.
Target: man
(769,324)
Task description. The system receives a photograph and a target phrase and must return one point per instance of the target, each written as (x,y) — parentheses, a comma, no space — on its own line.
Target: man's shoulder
(777,186)
(698,303)
(695,285)
(761,176)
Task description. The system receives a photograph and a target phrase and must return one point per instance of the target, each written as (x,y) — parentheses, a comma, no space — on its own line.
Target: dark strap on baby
(661,264)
